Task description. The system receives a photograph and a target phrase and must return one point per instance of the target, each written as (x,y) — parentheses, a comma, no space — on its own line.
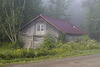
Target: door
(37,40)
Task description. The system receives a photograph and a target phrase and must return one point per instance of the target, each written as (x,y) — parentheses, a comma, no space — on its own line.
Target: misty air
(49,33)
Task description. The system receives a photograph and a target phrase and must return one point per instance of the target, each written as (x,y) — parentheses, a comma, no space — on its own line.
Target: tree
(12,17)
(32,9)
(57,9)
(90,4)
(2,34)
(93,18)
(14,13)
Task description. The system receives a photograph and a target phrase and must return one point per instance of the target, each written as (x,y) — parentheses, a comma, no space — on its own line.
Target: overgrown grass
(49,50)
(49,57)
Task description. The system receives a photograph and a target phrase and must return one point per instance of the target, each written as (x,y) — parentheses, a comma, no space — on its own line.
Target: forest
(16,13)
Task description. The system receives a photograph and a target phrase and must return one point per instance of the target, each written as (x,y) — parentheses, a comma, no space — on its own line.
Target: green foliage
(30,53)
(2,56)
(32,9)
(92,23)
(20,53)
(48,43)
(17,44)
(11,18)
(55,10)
(61,38)
(41,52)
(4,44)
(14,14)
(0,43)
(60,49)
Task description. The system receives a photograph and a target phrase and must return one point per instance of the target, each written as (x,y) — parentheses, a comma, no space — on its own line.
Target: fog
(76,11)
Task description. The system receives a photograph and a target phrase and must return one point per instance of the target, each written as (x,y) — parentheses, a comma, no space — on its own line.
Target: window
(40,27)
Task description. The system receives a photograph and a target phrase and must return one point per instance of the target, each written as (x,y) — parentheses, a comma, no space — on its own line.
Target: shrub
(12,45)
(48,43)
(4,44)
(52,51)
(0,43)
(41,52)
(30,53)
(48,47)
(61,38)
(17,44)
(2,56)
(23,53)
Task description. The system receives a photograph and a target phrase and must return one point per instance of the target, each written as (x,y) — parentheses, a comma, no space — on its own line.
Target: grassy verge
(49,51)
(49,57)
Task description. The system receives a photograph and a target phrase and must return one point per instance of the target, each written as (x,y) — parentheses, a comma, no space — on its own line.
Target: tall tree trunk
(13,18)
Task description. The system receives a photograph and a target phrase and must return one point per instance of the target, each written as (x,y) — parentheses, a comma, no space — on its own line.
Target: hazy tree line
(92,21)
(15,13)
(58,9)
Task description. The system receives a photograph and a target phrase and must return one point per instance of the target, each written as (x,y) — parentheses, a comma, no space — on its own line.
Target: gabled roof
(62,25)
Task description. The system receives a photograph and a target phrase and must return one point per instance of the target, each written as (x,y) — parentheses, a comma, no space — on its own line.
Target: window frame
(40,27)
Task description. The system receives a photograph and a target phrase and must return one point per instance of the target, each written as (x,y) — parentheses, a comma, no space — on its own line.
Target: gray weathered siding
(32,38)
(29,34)
(52,31)
(72,37)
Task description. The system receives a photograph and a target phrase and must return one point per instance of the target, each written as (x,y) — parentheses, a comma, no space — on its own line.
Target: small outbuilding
(34,32)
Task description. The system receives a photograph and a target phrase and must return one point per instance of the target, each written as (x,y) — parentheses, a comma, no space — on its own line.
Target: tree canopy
(15,13)
(58,9)
(93,18)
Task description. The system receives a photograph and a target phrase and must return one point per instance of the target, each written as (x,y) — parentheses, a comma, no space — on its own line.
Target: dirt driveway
(83,61)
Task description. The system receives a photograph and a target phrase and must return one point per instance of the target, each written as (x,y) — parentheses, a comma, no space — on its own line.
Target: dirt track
(83,61)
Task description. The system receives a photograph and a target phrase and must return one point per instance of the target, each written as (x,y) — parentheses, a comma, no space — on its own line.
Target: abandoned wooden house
(34,32)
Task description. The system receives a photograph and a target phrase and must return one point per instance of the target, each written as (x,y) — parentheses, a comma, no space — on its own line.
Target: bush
(4,44)
(30,53)
(23,53)
(17,44)
(41,52)
(0,43)
(61,38)
(48,43)
(2,56)
(48,47)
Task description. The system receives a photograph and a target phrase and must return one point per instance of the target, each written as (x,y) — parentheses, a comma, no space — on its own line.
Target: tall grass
(48,48)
